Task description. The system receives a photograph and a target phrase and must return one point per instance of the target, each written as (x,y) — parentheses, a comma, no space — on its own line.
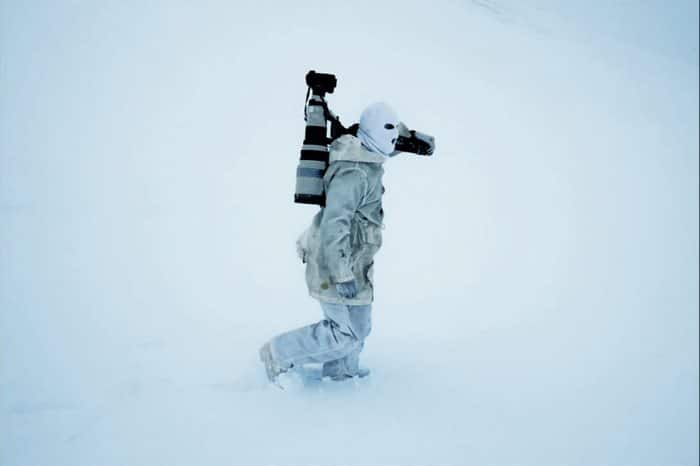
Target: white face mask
(379,128)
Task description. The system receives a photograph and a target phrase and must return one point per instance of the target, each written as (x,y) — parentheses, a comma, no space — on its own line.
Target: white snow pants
(336,341)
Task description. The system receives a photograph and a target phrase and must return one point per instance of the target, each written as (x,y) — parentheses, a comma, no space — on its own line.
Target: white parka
(345,235)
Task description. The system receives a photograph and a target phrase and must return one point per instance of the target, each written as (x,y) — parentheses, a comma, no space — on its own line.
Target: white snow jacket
(345,235)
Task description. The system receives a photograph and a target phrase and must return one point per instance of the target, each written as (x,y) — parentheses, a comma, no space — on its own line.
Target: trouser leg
(330,339)
(361,323)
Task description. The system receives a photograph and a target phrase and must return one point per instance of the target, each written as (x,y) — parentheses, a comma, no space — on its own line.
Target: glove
(416,143)
(346,290)
(426,143)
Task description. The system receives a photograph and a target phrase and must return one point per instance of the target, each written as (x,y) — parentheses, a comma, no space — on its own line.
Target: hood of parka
(379,128)
(351,149)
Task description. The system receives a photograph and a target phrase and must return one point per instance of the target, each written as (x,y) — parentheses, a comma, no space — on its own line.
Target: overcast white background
(537,292)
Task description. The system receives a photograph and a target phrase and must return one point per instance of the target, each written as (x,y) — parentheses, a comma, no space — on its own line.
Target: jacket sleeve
(344,193)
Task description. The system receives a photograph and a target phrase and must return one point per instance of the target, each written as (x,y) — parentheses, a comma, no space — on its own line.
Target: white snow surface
(537,292)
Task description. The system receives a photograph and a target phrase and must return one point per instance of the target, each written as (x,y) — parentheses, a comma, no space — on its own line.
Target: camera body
(321,83)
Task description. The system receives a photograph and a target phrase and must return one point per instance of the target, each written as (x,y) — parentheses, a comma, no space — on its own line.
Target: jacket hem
(338,300)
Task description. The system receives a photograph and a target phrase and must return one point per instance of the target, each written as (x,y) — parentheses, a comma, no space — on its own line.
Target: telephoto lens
(314,156)
(314,150)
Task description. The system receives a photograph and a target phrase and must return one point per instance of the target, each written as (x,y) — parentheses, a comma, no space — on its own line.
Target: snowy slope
(537,292)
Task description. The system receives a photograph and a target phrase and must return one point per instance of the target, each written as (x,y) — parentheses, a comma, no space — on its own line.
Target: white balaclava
(379,128)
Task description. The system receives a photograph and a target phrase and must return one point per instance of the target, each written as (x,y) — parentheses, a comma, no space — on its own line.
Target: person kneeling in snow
(338,249)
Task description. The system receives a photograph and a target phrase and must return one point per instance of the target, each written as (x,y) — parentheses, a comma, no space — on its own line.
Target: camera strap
(306,100)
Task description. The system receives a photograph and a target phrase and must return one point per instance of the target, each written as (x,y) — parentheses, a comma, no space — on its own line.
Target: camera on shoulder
(321,83)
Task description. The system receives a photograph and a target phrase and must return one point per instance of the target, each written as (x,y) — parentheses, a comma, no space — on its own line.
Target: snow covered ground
(537,294)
